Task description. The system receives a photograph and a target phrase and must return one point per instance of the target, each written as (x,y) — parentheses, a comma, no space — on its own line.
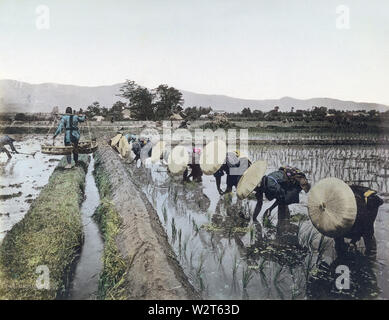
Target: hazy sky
(248,49)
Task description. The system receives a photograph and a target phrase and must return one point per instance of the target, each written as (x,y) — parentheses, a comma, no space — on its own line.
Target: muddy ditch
(85,282)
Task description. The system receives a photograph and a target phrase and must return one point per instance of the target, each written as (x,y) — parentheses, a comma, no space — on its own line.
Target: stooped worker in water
(196,173)
(142,149)
(184,124)
(340,211)
(7,140)
(69,122)
(233,167)
(368,203)
(284,185)
(130,137)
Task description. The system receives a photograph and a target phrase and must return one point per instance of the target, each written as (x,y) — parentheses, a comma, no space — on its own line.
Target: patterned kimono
(70,123)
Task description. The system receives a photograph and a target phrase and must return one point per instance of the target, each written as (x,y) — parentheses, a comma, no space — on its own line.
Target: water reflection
(226,255)
(363,280)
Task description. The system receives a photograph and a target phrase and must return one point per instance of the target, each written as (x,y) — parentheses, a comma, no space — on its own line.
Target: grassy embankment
(49,235)
(113,282)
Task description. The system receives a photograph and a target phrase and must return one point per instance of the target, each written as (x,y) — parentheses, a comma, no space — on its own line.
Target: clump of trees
(155,104)
(194,113)
(115,112)
(314,114)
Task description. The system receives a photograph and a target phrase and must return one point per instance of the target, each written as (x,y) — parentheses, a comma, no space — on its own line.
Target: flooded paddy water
(22,178)
(223,253)
(226,256)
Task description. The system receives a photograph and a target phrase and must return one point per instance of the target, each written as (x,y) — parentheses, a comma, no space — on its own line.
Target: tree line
(163,101)
(314,114)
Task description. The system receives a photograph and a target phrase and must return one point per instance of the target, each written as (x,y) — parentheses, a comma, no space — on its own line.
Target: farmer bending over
(283,185)
(234,167)
(142,149)
(368,203)
(130,137)
(6,140)
(72,134)
(196,173)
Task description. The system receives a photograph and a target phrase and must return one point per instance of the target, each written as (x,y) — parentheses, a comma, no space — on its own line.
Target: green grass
(49,235)
(113,282)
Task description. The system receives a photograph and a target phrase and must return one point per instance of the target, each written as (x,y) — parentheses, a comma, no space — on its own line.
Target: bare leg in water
(258,207)
(283,212)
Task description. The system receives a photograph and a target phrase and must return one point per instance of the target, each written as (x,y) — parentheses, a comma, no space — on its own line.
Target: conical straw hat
(115,139)
(213,156)
(131,154)
(157,151)
(123,146)
(251,178)
(332,207)
(178,160)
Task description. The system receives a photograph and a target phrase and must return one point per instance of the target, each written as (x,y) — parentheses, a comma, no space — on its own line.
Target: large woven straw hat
(124,147)
(251,178)
(178,160)
(131,154)
(213,156)
(332,207)
(157,151)
(115,139)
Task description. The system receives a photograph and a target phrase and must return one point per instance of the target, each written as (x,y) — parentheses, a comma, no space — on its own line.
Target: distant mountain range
(16,96)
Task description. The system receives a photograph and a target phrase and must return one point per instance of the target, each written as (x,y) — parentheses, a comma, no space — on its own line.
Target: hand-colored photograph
(194,150)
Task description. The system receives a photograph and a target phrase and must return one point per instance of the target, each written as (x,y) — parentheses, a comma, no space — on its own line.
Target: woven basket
(84,147)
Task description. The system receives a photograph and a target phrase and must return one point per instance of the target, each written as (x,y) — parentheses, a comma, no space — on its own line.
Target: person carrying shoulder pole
(72,134)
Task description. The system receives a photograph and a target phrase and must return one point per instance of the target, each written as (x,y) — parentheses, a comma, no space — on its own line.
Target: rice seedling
(221,255)
(164,213)
(322,246)
(211,241)
(267,222)
(191,260)
(345,163)
(174,230)
(201,282)
(199,272)
(247,275)
(196,228)
(307,238)
(261,265)
(251,234)
(179,240)
(185,246)
(308,265)
(277,273)
(235,266)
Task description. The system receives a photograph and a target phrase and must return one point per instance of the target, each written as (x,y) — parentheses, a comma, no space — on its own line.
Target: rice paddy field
(328,136)
(222,252)
(227,256)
